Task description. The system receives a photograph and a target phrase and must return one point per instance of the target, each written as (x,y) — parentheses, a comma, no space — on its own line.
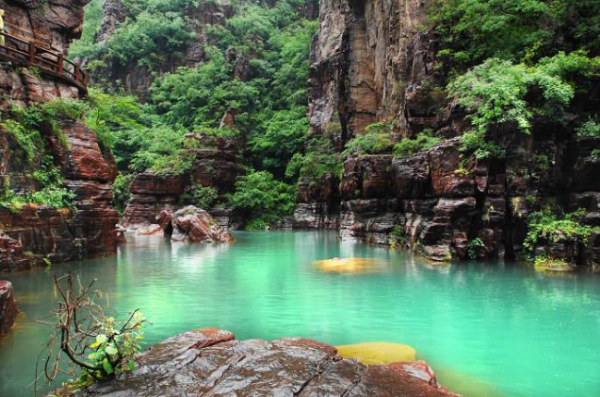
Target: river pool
(488,329)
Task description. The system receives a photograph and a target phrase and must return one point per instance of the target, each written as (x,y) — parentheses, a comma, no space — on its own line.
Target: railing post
(61,66)
(32,53)
(77,72)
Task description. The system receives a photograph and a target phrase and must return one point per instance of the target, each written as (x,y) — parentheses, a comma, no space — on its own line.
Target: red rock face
(87,230)
(8,307)
(36,232)
(217,163)
(151,194)
(211,362)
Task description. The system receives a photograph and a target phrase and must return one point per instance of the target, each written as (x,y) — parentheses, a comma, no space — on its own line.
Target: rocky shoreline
(211,362)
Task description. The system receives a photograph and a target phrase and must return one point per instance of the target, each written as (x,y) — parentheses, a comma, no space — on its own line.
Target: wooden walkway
(26,52)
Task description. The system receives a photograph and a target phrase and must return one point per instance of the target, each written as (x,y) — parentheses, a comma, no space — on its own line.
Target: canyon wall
(33,233)
(374,61)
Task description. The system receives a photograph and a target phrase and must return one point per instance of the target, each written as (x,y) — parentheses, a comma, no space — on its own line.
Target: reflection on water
(513,330)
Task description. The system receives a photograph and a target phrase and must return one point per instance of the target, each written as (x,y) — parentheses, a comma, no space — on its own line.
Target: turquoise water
(502,329)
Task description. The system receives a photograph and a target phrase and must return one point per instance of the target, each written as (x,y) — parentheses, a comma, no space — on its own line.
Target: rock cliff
(35,232)
(216,163)
(210,362)
(375,61)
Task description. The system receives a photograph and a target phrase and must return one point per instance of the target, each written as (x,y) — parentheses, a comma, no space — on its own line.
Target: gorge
(466,133)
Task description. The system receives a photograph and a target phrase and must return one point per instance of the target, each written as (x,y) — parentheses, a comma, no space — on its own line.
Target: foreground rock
(209,362)
(192,224)
(8,307)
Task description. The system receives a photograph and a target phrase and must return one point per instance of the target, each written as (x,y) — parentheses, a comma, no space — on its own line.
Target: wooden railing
(29,53)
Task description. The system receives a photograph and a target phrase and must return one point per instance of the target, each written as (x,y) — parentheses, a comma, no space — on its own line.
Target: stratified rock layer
(209,362)
(373,61)
(35,232)
(216,163)
(8,307)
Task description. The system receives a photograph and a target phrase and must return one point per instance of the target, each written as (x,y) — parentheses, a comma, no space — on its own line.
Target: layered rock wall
(217,163)
(374,61)
(33,233)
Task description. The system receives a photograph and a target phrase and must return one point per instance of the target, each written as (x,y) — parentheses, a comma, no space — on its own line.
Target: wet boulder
(210,362)
(193,224)
(8,307)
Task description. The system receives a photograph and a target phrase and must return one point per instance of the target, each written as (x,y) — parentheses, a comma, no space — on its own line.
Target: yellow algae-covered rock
(378,353)
(352,265)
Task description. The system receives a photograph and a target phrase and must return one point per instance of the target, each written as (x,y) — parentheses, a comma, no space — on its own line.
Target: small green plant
(475,246)
(203,197)
(551,225)
(320,159)
(550,263)
(398,238)
(376,140)
(423,141)
(121,191)
(95,344)
(595,156)
(590,129)
(477,144)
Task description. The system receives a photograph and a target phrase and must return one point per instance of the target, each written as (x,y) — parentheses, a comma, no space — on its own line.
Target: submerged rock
(8,307)
(192,224)
(209,362)
(352,265)
(378,353)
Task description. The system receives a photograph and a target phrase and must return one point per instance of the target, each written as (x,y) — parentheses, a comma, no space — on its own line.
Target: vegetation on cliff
(256,63)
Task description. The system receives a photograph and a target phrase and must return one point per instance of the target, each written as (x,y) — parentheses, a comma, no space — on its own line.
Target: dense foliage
(25,124)
(471,31)
(551,225)
(256,63)
(423,140)
(263,199)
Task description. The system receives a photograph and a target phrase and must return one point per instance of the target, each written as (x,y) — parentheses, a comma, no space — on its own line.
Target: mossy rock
(378,353)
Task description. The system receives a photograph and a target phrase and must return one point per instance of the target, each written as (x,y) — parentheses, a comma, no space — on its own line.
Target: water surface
(501,328)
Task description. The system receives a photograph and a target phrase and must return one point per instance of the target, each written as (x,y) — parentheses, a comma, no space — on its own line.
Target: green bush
(203,197)
(590,129)
(423,141)
(470,31)
(377,139)
(319,159)
(121,192)
(474,246)
(549,225)
(260,197)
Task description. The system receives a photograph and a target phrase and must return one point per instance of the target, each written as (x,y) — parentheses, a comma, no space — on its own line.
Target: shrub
(546,262)
(261,197)
(424,140)
(550,225)
(590,129)
(94,343)
(203,197)
(474,246)
(375,140)
(121,192)
(319,159)
(398,238)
